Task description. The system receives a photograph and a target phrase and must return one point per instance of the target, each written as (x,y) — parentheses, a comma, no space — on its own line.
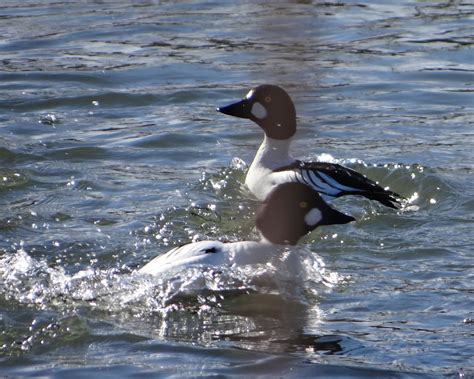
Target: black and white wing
(333,180)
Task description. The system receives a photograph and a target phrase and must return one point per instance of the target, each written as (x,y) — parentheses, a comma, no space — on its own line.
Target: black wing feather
(347,177)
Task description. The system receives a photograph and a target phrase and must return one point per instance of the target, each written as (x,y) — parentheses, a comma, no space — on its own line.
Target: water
(111,152)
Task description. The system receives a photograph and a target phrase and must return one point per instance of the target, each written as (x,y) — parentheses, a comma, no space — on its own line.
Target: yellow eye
(303,204)
(268,99)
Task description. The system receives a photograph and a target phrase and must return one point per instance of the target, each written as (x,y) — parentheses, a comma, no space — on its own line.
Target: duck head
(292,210)
(270,107)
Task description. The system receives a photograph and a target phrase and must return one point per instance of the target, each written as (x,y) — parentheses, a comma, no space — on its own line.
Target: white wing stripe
(318,182)
(311,178)
(323,183)
(334,183)
(305,177)
(301,176)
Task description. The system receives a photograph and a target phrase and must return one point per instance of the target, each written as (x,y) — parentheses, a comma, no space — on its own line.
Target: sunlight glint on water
(111,152)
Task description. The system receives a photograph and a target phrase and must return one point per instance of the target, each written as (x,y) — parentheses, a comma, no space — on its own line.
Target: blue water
(111,152)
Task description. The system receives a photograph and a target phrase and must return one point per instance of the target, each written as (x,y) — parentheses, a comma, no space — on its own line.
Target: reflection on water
(111,152)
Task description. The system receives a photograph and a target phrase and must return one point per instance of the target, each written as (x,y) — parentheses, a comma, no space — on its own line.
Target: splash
(201,304)
(292,273)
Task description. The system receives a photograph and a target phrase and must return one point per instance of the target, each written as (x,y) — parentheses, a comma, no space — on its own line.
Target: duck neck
(274,153)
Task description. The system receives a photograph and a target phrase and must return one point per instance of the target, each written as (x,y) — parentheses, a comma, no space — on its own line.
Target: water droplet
(49,119)
(413,197)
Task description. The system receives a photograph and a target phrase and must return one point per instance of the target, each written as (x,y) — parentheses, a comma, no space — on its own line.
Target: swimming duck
(290,211)
(271,108)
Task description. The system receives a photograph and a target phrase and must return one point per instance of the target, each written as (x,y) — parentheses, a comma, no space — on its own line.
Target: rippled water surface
(111,152)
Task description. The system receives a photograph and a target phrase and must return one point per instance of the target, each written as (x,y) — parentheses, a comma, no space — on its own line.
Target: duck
(272,109)
(290,211)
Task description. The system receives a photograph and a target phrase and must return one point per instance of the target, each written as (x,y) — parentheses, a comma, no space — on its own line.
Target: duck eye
(268,99)
(303,204)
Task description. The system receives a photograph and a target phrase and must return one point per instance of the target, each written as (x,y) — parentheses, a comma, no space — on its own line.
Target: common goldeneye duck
(272,109)
(290,211)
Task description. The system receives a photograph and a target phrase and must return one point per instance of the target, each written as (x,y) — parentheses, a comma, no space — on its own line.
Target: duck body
(290,211)
(210,254)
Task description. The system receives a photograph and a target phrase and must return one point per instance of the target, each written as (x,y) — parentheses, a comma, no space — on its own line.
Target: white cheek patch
(259,111)
(313,217)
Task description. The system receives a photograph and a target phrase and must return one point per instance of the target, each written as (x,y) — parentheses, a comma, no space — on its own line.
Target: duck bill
(240,109)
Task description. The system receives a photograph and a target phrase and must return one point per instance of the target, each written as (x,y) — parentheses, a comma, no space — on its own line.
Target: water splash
(200,291)
(200,304)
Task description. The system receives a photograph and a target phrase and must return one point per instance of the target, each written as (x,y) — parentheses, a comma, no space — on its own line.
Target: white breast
(271,155)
